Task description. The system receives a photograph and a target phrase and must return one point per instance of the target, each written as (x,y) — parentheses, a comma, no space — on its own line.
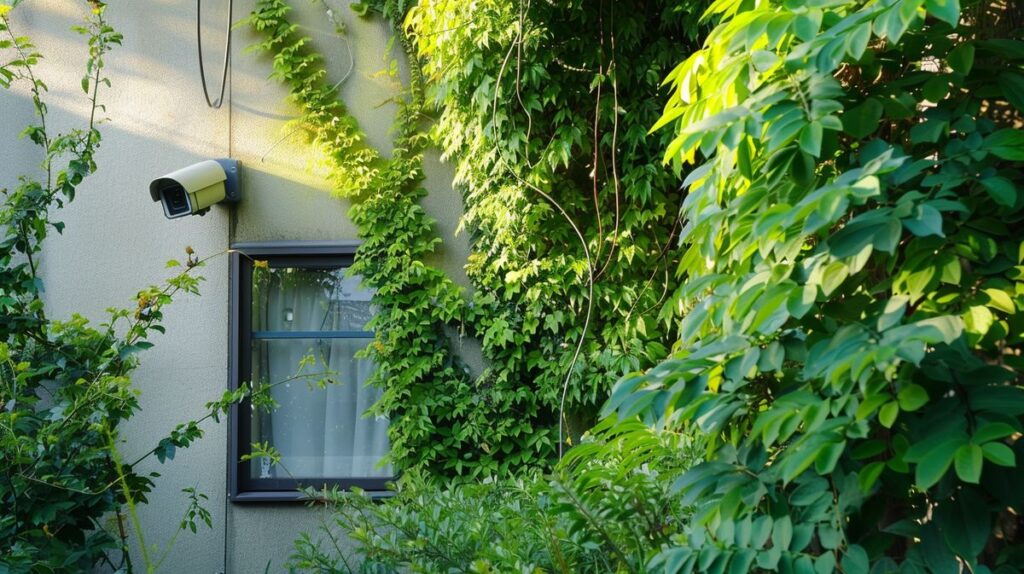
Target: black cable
(227,53)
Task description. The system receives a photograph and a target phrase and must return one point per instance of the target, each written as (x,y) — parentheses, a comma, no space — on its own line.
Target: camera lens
(175,200)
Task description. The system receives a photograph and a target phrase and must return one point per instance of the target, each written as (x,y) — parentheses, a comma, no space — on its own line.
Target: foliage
(62,382)
(851,313)
(607,510)
(566,204)
(415,300)
(64,385)
(562,97)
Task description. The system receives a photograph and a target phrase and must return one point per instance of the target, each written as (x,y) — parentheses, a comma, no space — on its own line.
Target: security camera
(192,190)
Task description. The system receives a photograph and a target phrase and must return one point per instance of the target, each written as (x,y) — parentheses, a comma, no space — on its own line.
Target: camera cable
(227,53)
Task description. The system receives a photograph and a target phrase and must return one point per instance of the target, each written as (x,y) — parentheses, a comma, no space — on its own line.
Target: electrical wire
(227,53)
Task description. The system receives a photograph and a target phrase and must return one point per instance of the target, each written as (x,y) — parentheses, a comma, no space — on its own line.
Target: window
(296,320)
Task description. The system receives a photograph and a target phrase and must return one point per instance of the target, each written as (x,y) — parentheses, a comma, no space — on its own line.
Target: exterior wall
(117,239)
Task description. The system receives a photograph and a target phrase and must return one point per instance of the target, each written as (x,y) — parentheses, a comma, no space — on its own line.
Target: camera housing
(192,190)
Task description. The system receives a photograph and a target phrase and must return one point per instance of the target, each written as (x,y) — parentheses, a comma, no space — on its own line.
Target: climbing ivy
(544,111)
(568,208)
(423,382)
(851,320)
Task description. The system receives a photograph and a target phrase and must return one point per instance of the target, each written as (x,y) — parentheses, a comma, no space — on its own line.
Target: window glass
(298,299)
(315,318)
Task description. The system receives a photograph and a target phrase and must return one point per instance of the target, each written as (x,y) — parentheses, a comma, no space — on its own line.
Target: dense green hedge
(852,317)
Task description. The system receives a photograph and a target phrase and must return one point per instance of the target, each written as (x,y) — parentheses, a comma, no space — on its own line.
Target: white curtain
(320,432)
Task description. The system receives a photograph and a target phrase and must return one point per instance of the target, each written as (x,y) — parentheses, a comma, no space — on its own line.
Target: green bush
(851,318)
(607,509)
(67,500)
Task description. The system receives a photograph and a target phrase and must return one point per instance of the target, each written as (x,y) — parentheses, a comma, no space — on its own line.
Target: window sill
(293,496)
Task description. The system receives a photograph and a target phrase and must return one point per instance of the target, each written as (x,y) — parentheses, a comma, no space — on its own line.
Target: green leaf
(763,60)
(978,320)
(761,531)
(1001,190)
(961,58)
(853,238)
(769,559)
(360,8)
(803,565)
(782,533)
(868,476)
(891,24)
(825,462)
(990,431)
(857,40)
(945,329)
(809,492)
(893,313)
(935,463)
(772,357)
(965,523)
(1013,89)
(935,89)
(742,561)
(743,153)
(855,561)
(968,463)
(810,138)
(928,132)
(912,397)
(999,453)
(946,10)
(862,120)
(998,299)
(1006,143)
(825,564)
(833,276)
(887,414)
(951,270)
(806,25)
(887,237)
(801,300)
(926,221)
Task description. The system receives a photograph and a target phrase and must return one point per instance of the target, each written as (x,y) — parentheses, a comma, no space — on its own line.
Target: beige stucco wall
(117,240)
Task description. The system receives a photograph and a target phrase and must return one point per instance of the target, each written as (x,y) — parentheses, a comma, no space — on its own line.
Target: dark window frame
(242,488)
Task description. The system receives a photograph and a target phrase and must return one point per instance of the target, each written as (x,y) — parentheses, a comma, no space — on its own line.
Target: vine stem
(36,97)
(562,422)
(613,71)
(335,86)
(130,502)
(597,139)
(212,413)
(101,49)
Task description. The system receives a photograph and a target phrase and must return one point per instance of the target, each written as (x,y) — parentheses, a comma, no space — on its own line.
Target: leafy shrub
(851,286)
(67,500)
(607,510)
(851,318)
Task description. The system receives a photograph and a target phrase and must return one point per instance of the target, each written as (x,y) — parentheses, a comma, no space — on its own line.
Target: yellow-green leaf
(912,397)
(998,299)
(887,414)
